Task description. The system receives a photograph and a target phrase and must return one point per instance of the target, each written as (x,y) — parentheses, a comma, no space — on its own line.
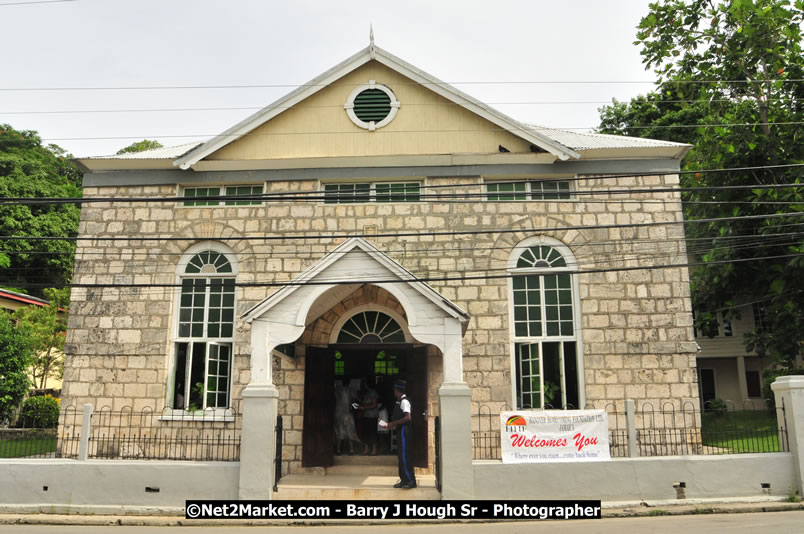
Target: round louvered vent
(372,106)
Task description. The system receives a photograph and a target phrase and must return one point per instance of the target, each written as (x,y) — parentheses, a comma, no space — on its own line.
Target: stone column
(257,437)
(789,392)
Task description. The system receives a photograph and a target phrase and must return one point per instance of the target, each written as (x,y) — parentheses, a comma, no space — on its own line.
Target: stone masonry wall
(636,325)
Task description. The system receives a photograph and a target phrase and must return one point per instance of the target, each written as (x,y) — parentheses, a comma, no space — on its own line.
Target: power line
(461,130)
(436,248)
(443,198)
(259,107)
(462,277)
(294,237)
(350,197)
(36,2)
(438,83)
(596,259)
(756,242)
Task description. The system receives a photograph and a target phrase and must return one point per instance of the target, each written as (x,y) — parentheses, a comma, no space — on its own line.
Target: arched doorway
(366,344)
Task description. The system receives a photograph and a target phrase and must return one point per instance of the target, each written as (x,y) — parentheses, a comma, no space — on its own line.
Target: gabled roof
(400,275)
(376,53)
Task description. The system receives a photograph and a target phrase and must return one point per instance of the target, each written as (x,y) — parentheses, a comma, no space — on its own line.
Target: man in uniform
(401,418)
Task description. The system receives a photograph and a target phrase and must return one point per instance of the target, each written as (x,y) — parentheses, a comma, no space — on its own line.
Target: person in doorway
(400,419)
(344,421)
(370,411)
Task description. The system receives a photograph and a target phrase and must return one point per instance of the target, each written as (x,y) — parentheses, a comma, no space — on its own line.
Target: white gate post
(789,392)
(86,430)
(455,410)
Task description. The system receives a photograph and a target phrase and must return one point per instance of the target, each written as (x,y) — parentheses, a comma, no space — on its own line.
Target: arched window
(205,332)
(371,327)
(544,326)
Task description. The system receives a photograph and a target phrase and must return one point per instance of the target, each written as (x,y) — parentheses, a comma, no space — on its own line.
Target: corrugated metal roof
(588,141)
(166,152)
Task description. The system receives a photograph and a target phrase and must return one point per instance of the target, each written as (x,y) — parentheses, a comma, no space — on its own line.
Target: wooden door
(318,434)
(417,393)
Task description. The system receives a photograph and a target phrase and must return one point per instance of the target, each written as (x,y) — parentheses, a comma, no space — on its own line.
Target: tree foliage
(140,146)
(45,327)
(732,67)
(15,357)
(30,169)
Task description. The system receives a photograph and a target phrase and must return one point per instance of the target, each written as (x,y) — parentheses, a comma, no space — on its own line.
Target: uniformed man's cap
(401,385)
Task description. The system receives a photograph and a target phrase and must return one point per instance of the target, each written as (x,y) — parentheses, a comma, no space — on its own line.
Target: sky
(89,60)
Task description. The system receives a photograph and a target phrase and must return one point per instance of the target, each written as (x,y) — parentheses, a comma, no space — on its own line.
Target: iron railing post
(437,428)
(278,456)
(630,425)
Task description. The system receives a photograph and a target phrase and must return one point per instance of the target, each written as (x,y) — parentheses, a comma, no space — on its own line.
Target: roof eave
(101,165)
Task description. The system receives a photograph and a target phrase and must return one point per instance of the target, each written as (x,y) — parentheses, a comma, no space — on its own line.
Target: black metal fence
(39,432)
(147,435)
(669,430)
(125,434)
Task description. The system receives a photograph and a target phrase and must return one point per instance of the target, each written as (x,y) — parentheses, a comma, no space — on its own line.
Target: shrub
(39,412)
(15,358)
(768,377)
(716,406)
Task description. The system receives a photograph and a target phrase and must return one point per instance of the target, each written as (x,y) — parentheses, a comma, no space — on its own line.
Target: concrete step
(381,459)
(385,465)
(365,470)
(382,465)
(309,486)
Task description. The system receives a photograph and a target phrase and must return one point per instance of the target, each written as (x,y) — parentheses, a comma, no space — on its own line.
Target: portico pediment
(353,263)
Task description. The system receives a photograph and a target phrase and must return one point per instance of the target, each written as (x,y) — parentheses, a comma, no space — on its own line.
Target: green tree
(15,358)
(45,327)
(29,169)
(140,146)
(728,64)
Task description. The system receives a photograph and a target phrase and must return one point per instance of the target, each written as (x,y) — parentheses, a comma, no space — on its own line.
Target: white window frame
(224,414)
(372,192)
(721,327)
(221,203)
(529,191)
(577,336)
(759,313)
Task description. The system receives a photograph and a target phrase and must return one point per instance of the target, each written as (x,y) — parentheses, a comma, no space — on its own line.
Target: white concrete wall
(637,479)
(93,485)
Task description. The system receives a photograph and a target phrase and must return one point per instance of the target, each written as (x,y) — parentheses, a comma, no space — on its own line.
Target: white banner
(554,436)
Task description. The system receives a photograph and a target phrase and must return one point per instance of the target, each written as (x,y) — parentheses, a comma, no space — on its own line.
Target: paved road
(752,523)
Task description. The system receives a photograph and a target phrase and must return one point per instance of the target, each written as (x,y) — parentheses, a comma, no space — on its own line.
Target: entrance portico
(283,317)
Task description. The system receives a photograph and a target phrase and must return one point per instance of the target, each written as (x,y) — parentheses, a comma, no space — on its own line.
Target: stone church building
(377,223)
